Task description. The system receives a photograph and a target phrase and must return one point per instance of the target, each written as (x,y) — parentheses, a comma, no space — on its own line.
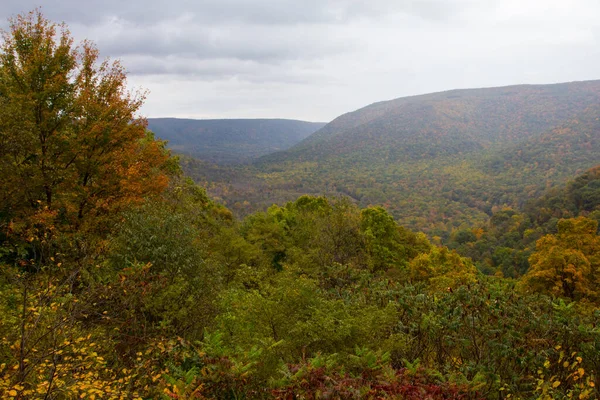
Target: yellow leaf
(556,384)
(12,393)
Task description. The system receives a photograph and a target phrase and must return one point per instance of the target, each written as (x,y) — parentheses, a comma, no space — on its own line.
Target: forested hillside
(120,278)
(505,242)
(230,140)
(435,161)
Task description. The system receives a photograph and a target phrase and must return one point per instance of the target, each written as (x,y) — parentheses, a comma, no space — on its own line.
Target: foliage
(47,351)
(315,379)
(505,243)
(75,151)
(567,264)
(442,269)
(570,375)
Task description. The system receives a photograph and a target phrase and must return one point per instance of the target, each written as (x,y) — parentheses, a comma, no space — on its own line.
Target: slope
(451,122)
(437,161)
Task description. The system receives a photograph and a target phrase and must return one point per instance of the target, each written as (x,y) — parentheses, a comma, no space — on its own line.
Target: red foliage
(317,383)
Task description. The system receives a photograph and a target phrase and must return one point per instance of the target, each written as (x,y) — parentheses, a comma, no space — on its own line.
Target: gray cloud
(186,37)
(276,12)
(316,59)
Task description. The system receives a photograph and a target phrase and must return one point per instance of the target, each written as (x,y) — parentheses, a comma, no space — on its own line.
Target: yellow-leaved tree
(442,269)
(567,264)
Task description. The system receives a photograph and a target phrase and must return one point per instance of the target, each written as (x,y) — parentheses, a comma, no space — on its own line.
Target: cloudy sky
(317,59)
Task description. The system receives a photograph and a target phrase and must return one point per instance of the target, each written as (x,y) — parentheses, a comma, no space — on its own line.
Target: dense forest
(226,141)
(504,243)
(120,278)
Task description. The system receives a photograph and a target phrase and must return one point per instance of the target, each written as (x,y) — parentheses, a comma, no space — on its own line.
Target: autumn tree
(567,264)
(73,148)
(74,155)
(442,269)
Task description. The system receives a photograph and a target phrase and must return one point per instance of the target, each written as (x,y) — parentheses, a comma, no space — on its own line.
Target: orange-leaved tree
(74,150)
(73,154)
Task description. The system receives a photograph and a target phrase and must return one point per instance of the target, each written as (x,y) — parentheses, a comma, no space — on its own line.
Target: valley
(231,141)
(436,162)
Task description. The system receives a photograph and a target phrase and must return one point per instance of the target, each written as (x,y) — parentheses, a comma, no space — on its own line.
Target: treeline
(122,279)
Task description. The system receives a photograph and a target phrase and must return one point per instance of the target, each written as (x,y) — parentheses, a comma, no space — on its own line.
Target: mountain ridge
(230,140)
(414,106)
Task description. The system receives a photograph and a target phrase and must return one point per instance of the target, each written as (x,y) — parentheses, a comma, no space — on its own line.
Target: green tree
(74,155)
(388,244)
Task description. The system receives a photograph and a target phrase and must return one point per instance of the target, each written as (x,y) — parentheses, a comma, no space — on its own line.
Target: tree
(74,150)
(388,244)
(567,264)
(73,156)
(442,269)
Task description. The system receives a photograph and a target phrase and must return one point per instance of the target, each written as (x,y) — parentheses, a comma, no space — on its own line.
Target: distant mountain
(231,140)
(438,161)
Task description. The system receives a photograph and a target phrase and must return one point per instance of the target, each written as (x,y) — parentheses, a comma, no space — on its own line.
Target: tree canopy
(74,149)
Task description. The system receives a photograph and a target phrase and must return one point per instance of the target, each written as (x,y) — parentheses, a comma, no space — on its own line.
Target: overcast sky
(317,59)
